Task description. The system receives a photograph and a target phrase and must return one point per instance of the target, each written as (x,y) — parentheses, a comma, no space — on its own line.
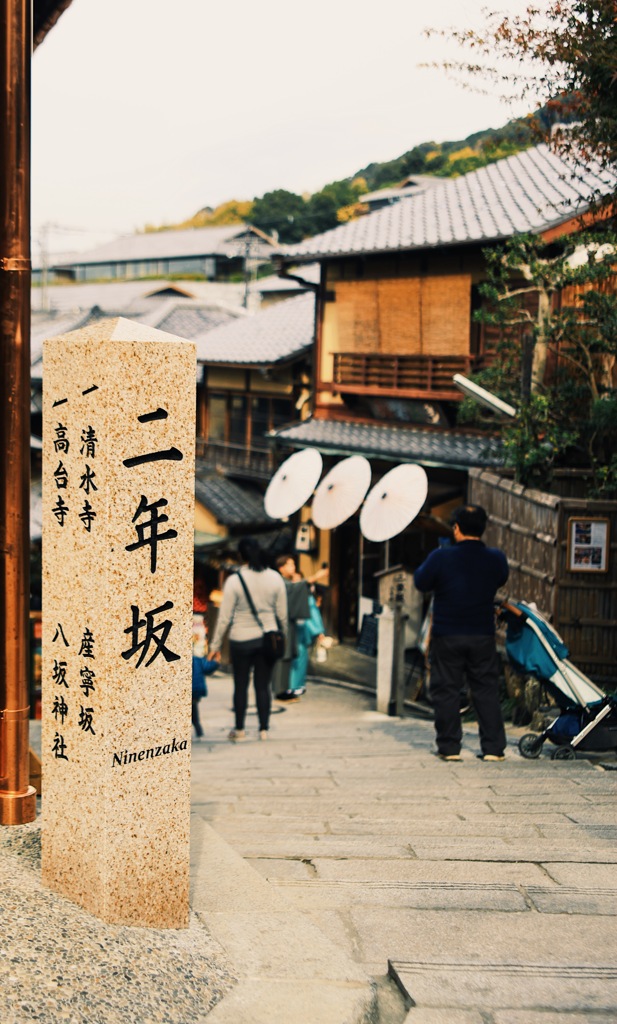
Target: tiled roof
(50,326)
(310,272)
(233,504)
(188,318)
(168,245)
(528,192)
(188,323)
(402,444)
(132,297)
(273,335)
(182,317)
(415,185)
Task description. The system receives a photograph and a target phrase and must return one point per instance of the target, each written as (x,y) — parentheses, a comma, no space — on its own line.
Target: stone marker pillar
(118,514)
(385,654)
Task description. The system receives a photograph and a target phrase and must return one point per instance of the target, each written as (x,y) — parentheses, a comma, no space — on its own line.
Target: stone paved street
(489,889)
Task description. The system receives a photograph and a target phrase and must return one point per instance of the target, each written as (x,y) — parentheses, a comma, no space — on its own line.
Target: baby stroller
(587,717)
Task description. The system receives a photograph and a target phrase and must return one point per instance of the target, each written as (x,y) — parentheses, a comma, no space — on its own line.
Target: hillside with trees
(293,217)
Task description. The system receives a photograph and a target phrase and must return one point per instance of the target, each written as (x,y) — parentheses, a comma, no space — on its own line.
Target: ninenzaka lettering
(153,537)
(149,417)
(129,757)
(169,454)
(151,635)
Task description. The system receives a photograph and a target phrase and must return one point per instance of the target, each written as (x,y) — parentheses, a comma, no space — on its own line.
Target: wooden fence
(563,556)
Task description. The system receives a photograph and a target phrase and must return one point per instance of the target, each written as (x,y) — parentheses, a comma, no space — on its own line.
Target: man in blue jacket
(464,579)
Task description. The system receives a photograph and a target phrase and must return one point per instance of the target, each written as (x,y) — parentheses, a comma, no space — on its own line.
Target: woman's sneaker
(237,735)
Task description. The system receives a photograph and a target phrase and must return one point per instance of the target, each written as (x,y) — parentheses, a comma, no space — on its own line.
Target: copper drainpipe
(17,797)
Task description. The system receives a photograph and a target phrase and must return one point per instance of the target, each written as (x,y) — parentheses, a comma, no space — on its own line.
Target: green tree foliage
(295,218)
(281,213)
(563,56)
(321,213)
(556,306)
(555,309)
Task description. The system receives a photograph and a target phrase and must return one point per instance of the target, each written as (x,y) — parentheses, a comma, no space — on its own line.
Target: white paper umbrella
(293,483)
(393,502)
(341,492)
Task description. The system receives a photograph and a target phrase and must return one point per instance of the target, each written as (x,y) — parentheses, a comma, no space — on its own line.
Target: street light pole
(17,797)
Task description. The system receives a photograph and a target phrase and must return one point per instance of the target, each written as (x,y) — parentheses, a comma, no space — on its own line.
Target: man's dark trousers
(454,658)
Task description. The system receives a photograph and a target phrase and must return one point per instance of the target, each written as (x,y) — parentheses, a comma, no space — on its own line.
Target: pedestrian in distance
(464,579)
(307,632)
(297,590)
(267,593)
(202,667)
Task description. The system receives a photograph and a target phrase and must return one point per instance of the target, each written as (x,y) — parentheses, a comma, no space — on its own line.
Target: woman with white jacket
(267,591)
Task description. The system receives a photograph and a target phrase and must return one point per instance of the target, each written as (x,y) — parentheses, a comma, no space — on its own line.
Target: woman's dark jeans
(247,656)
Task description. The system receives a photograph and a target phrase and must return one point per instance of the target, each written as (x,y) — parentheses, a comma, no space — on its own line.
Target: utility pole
(17,797)
(247,272)
(44,246)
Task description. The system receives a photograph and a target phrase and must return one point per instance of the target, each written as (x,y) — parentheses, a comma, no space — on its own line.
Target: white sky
(144,111)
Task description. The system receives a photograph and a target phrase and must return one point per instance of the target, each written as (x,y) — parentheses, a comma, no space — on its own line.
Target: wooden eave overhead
(44,16)
(584,220)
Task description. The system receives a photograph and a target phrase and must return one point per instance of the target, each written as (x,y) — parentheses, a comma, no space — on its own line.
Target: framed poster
(588,545)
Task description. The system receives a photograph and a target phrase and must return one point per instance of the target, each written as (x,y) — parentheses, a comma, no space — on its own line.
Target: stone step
(435,896)
(483,986)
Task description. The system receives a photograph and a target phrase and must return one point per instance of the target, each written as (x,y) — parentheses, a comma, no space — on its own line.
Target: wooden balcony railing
(404,376)
(250,462)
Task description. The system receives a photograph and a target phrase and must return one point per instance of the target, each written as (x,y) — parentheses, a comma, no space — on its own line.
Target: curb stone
(284,963)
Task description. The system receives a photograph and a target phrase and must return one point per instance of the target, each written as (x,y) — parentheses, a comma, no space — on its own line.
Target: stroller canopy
(535,648)
(525,649)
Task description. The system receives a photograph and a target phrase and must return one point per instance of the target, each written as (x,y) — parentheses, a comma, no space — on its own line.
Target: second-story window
(217,416)
(260,418)
(237,419)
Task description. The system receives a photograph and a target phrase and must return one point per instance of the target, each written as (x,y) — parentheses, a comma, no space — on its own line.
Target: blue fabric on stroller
(524,649)
(588,719)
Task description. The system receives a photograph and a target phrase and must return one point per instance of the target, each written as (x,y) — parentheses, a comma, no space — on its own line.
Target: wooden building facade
(563,557)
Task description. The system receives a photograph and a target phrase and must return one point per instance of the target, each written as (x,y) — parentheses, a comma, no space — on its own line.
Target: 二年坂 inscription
(118,519)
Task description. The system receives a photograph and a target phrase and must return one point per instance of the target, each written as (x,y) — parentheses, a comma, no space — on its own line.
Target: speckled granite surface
(117,567)
(60,965)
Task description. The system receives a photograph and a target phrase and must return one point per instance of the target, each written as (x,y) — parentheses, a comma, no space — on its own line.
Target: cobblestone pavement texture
(340,874)
(486,890)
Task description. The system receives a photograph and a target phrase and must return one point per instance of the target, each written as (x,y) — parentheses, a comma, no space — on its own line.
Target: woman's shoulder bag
(273,640)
